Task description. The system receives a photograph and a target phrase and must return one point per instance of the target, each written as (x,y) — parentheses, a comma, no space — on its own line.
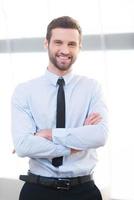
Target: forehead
(65,34)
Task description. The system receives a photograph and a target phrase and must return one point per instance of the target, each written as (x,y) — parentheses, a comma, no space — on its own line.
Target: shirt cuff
(63,151)
(59,136)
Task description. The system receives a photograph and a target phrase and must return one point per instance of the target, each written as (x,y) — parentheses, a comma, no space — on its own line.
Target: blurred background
(107,55)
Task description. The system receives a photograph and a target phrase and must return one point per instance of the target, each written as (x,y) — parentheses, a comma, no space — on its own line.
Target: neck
(57,71)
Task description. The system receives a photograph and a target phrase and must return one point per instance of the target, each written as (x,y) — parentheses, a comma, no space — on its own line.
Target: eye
(58,42)
(72,44)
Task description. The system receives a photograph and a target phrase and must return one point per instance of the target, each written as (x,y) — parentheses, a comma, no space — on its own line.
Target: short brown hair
(63,22)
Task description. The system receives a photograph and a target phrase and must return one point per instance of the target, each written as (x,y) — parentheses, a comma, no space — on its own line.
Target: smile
(64,58)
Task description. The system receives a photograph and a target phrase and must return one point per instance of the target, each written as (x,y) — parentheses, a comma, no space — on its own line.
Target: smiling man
(58,121)
(63,48)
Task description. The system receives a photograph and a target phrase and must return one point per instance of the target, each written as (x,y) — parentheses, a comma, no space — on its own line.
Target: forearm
(81,138)
(90,135)
(26,144)
(38,147)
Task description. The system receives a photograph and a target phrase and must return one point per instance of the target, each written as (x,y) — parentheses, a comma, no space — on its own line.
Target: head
(64,22)
(63,41)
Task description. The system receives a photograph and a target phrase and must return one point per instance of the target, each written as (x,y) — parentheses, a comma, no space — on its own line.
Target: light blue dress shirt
(34,109)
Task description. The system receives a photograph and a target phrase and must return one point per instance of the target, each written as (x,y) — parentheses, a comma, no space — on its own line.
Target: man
(58,121)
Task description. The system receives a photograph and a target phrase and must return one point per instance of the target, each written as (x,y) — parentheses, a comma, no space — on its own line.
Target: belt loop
(38,179)
(79,180)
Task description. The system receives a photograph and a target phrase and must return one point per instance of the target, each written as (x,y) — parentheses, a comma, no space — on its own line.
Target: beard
(61,61)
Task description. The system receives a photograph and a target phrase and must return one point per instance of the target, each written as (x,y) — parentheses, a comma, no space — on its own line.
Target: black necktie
(60,115)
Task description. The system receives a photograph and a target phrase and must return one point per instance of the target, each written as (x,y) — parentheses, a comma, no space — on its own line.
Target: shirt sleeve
(23,128)
(89,136)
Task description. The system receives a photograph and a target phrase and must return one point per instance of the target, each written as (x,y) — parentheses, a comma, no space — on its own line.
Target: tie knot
(61,81)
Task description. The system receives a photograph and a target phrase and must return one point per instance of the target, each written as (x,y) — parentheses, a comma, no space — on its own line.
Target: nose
(64,49)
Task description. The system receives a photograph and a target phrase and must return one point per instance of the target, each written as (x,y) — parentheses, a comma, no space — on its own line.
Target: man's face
(63,48)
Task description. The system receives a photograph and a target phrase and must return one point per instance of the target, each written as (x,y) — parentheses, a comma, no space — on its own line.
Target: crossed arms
(93,119)
(49,143)
(45,138)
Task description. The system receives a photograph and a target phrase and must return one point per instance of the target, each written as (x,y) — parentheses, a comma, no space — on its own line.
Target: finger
(95,120)
(13,151)
(92,121)
(87,122)
(94,115)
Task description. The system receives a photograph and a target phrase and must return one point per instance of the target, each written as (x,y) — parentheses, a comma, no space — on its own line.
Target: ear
(45,43)
(80,46)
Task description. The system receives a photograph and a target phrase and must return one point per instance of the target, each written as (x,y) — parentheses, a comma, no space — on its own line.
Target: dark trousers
(86,191)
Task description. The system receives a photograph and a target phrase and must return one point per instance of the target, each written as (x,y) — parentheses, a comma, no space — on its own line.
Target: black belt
(57,183)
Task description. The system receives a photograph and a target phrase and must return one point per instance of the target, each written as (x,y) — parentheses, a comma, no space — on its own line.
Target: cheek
(76,50)
(75,53)
(51,50)
(54,50)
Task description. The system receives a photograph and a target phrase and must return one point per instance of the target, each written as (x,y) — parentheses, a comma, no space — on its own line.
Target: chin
(64,68)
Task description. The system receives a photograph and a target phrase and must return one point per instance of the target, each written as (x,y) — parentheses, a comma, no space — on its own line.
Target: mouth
(64,62)
(63,58)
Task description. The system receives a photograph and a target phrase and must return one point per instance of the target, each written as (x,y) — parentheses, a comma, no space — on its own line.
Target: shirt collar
(53,77)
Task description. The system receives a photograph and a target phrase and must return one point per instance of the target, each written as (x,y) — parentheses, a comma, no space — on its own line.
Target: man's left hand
(47,133)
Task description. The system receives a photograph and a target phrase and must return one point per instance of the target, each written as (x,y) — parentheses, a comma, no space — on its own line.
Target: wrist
(49,135)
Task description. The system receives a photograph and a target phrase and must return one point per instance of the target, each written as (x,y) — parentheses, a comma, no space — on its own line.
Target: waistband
(56,183)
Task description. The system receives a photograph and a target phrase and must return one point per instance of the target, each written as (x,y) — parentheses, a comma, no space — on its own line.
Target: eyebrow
(69,42)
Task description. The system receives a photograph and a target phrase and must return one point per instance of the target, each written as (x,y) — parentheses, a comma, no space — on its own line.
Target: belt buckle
(63,184)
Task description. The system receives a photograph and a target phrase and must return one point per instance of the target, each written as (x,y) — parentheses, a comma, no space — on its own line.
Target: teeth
(64,57)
